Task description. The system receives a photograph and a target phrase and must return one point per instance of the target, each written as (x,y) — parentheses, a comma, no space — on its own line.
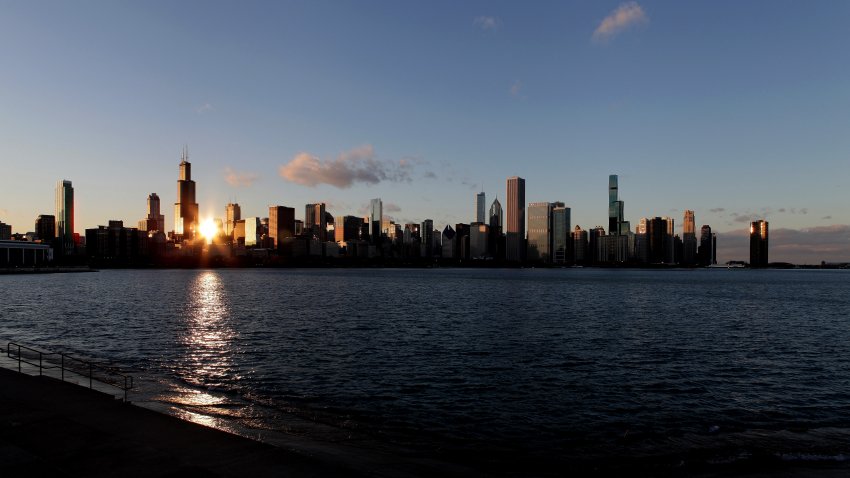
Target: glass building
(561,237)
(376,214)
(540,232)
(65,214)
(515,219)
(758,244)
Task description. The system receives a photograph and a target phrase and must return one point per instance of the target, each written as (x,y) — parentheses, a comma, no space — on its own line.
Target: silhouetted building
(24,254)
(707,246)
(65,216)
(5,231)
(479,237)
(659,240)
(281,224)
(579,245)
(462,250)
(116,244)
(515,220)
(45,228)
(426,233)
(376,215)
(185,209)
(448,241)
(758,244)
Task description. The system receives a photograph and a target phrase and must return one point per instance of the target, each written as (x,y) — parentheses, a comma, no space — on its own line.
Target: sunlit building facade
(758,243)
(65,214)
(515,220)
(281,224)
(185,209)
(232,213)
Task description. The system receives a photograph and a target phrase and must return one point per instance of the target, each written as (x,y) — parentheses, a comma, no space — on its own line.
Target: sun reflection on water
(209,340)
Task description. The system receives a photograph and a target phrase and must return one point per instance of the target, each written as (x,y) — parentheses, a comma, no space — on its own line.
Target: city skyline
(479,93)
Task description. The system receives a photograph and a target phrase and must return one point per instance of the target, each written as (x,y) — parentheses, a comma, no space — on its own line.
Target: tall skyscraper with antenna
(480,208)
(185,209)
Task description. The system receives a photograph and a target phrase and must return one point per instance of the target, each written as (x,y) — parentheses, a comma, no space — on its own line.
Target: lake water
(532,371)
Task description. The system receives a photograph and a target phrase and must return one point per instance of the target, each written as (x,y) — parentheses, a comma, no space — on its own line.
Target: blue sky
(732,109)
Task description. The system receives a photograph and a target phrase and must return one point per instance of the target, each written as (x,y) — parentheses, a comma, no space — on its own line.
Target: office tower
(253,231)
(561,234)
(615,206)
(5,232)
(462,241)
(281,224)
(496,216)
(689,239)
(707,247)
(479,237)
(515,224)
(376,214)
(185,209)
(153,221)
(65,215)
(579,245)
(315,221)
(660,246)
(758,243)
(426,233)
(350,229)
(45,227)
(539,232)
(232,214)
(448,249)
(480,205)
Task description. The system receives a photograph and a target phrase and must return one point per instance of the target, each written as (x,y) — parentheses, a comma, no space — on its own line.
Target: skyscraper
(426,235)
(561,234)
(185,209)
(232,214)
(540,232)
(579,245)
(315,221)
(45,227)
(758,244)
(707,246)
(689,239)
(480,207)
(496,220)
(65,215)
(515,223)
(376,215)
(281,224)
(154,221)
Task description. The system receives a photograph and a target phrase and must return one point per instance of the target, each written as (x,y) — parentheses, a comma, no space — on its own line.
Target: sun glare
(208,229)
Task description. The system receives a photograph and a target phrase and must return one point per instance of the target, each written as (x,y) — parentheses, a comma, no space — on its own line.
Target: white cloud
(239,178)
(359,165)
(205,108)
(487,23)
(622,18)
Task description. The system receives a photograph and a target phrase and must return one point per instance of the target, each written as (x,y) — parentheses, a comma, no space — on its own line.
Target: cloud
(516,87)
(827,217)
(718,209)
(359,165)
(799,246)
(390,207)
(429,175)
(205,108)
(625,16)
(487,23)
(239,179)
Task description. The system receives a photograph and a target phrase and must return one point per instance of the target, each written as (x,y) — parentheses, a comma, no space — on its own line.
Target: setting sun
(208,229)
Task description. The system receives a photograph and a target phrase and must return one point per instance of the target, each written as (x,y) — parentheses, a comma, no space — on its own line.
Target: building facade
(515,220)
(186,208)
(281,224)
(758,243)
(65,215)
(539,232)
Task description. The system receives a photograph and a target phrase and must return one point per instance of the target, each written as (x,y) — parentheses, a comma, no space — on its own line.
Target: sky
(736,110)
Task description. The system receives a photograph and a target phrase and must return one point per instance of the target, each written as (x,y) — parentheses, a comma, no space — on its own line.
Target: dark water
(500,370)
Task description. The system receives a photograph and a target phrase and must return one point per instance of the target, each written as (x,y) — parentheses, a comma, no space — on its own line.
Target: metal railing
(48,361)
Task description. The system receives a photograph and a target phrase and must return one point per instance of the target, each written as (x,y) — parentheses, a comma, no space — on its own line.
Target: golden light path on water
(209,343)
